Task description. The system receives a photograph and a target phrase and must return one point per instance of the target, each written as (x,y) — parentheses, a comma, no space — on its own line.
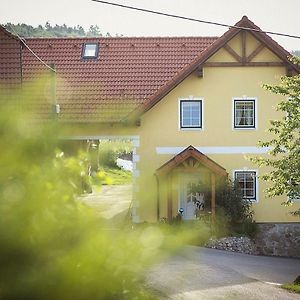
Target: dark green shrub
(248,227)
(238,210)
(230,198)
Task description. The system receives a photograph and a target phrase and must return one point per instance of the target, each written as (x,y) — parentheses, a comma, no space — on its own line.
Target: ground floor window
(246,180)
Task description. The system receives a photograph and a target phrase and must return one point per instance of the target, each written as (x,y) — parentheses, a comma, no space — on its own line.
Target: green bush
(238,210)
(247,227)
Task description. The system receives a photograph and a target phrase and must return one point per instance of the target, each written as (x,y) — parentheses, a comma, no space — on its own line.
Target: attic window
(90,50)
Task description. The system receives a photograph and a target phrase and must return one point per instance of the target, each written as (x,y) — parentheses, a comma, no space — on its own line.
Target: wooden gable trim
(275,48)
(244,46)
(247,64)
(255,52)
(232,53)
(182,158)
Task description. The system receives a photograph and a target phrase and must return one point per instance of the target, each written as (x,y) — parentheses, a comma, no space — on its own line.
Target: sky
(270,15)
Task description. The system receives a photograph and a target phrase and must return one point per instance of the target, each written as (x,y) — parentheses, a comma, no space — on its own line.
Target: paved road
(200,273)
(111,201)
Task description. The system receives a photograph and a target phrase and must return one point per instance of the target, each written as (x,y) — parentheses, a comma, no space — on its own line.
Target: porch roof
(191,151)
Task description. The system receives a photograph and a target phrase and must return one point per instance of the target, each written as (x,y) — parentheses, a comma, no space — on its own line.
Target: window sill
(190,129)
(244,128)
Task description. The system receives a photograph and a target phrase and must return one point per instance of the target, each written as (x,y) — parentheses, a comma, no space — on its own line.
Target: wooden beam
(213,195)
(232,53)
(243,46)
(196,165)
(185,164)
(289,71)
(247,64)
(169,188)
(255,52)
(199,71)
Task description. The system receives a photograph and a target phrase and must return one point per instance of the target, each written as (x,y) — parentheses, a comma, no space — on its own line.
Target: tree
(94,30)
(296,53)
(284,156)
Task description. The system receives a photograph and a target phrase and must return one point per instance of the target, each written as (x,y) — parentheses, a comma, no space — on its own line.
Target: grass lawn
(292,287)
(113,176)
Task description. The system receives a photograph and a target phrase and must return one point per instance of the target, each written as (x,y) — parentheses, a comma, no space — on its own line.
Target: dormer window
(90,50)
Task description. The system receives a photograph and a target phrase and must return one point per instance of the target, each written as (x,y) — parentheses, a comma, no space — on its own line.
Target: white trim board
(216,150)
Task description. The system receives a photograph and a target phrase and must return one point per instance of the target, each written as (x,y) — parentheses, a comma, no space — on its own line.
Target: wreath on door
(196,195)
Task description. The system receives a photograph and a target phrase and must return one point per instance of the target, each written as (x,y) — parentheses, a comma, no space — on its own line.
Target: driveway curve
(201,273)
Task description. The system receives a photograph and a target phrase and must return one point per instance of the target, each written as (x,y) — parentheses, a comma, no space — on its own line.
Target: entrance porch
(187,185)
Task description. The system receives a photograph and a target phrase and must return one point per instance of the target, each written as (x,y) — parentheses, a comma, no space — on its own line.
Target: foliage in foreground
(284,154)
(52,246)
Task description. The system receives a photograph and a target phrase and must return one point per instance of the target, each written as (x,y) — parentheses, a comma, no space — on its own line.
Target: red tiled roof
(127,72)
(129,76)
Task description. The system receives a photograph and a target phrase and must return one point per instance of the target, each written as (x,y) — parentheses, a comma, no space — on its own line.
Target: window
(244,113)
(246,180)
(90,50)
(191,114)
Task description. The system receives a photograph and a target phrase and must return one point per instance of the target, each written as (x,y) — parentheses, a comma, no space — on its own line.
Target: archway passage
(185,181)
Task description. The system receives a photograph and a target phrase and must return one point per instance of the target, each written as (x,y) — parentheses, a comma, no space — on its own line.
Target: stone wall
(240,244)
(281,239)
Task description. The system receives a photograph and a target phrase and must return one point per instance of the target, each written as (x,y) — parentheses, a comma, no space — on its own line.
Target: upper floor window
(244,113)
(246,180)
(191,114)
(90,50)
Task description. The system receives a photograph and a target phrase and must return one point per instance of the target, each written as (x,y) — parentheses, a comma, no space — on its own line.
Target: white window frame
(245,99)
(190,99)
(255,200)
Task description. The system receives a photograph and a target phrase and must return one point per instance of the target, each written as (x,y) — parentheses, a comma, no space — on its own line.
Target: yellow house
(194,109)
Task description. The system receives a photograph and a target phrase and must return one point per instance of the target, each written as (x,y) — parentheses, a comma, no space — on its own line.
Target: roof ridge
(121,37)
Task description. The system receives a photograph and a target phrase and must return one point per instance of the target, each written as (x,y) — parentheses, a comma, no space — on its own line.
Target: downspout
(21,64)
(55,105)
(157,198)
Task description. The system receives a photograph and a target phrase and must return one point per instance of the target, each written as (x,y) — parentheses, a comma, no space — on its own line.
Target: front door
(190,200)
